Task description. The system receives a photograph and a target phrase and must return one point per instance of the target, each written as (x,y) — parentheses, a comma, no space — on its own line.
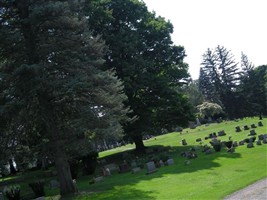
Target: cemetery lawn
(212,176)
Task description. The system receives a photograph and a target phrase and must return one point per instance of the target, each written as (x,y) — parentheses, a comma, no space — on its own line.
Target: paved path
(256,191)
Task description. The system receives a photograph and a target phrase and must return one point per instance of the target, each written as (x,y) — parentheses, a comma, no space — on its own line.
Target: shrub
(38,188)
(12,192)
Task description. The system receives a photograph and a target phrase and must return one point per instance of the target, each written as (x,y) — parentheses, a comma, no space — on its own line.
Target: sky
(238,25)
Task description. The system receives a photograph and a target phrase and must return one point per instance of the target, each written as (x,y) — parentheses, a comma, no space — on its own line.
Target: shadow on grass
(119,186)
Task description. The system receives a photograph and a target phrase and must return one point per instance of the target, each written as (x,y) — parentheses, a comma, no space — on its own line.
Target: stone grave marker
(136,169)
(252,139)
(235,144)
(151,168)
(133,164)
(258,142)
(161,163)
(124,168)
(238,129)
(170,161)
(98,179)
(252,132)
(112,167)
(1,196)
(221,133)
(184,142)
(260,123)
(246,127)
(242,142)
(53,184)
(250,145)
(198,140)
(261,137)
(253,126)
(264,141)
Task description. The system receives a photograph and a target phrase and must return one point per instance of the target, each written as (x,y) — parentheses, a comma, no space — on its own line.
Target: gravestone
(235,144)
(238,129)
(261,137)
(124,168)
(151,168)
(98,179)
(136,169)
(1,196)
(184,142)
(252,132)
(198,140)
(242,142)
(133,164)
(221,133)
(258,142)
(106,171)
(53,184)
(161,163)
(246,127)
(250,145)
(170,161)
(187,162)
(264,141)
(231,150)
(253,126)
(260,123)
(198,122)
(192,125)
(252,139)
(112,167)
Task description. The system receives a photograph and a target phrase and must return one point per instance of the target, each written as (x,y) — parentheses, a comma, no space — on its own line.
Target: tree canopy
(55,91)
(146,60)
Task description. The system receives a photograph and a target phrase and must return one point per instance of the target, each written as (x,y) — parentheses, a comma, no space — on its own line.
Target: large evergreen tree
(54,90)
(145,59)
(219,78)
(252,91)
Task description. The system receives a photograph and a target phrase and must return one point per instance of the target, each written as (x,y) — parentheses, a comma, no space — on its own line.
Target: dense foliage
(240,90)
(146,60)
(55,94)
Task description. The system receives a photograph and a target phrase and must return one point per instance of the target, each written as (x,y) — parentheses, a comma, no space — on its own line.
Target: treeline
(76,72)
(238,87)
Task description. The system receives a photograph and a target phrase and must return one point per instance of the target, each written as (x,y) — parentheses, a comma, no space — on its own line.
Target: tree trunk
(13,170)
(64,175)
(139,145)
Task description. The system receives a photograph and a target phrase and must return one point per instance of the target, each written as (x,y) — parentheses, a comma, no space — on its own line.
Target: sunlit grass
(211,176)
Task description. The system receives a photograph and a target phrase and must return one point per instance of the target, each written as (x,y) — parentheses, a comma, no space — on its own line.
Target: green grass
(211,176)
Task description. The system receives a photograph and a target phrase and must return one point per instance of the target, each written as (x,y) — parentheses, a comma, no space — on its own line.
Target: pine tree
(219,78)
(55,92)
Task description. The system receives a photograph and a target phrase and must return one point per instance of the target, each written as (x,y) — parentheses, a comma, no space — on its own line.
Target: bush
(12,192)
(38,188)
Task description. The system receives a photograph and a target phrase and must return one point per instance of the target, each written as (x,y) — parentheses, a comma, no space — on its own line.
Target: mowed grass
(212,176)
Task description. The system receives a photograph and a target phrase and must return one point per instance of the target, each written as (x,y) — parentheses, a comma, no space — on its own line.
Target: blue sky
(238,25)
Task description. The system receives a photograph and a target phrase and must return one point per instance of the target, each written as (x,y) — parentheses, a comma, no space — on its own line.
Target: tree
(221,72)
(55,93)
(145,59)
(252,91)
(195,96)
